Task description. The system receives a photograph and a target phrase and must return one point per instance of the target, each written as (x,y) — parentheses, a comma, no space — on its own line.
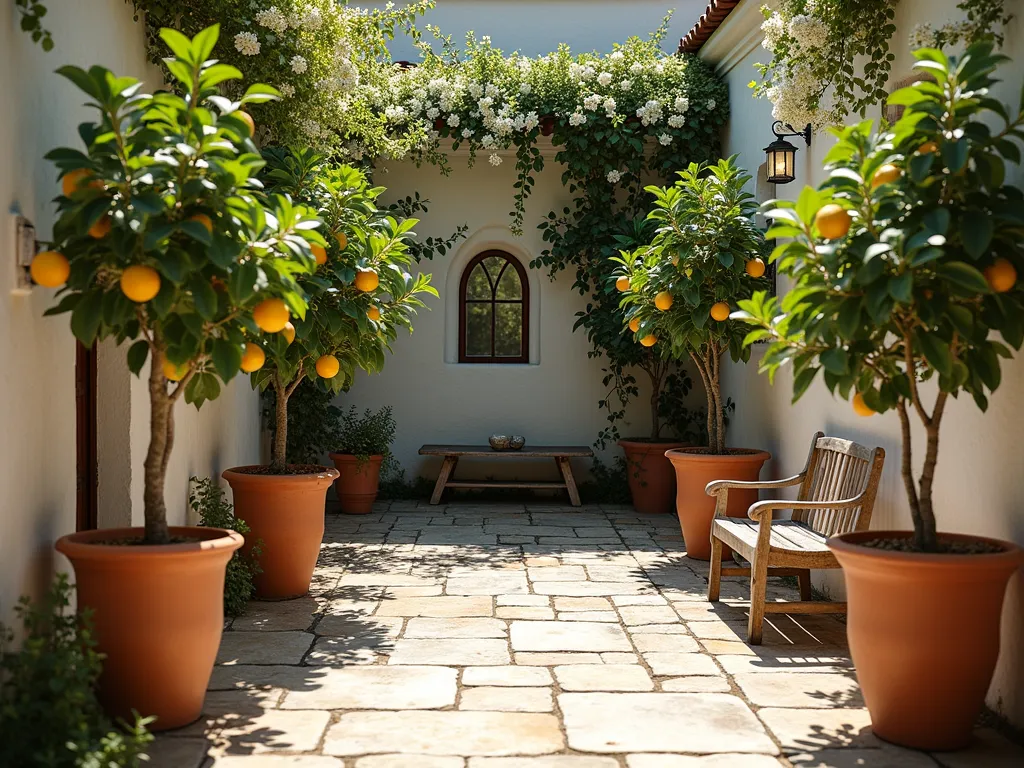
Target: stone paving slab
(377,687)
(568,636)
(458,652)
(504,699)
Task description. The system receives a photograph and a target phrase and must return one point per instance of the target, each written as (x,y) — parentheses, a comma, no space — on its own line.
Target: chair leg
(715,578)
(804,577)
(758,595)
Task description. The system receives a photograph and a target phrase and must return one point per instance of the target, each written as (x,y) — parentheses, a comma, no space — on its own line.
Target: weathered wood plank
(536,451)
(505,484)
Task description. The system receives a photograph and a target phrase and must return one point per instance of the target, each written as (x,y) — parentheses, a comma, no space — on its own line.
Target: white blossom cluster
(774,29)
(272,19)
(247,44)
(809,32)
(651,112)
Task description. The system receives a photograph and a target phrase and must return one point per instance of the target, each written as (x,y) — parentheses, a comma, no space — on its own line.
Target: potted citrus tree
(161,243)
(364,444)
(359,296)
(678,291)
(905,263)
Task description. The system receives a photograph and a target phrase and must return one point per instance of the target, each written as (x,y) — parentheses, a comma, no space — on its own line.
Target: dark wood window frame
(524,357)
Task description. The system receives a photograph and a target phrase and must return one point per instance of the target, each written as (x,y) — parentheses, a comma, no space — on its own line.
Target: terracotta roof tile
(713,16)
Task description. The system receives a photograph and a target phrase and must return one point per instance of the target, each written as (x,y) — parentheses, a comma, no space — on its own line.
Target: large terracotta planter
(158,613)
(695,468)
(358,482)
(924,634)
(652,482)
(285,514)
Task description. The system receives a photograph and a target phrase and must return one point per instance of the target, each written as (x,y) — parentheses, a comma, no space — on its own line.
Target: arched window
(494,310)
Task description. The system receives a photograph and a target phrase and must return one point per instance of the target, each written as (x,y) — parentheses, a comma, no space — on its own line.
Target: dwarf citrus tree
(705,256)
(360,294)
(161,240)
(905,263)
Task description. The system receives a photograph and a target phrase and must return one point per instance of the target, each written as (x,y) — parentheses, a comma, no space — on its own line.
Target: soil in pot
(158,612)
(285,514)
(695,468)
(924,633)
(652,482)
(358,482)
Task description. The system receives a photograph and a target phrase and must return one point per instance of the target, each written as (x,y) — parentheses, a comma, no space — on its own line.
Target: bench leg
(570,483)
(758,596)
(804,577)
(715,578)
(447,467)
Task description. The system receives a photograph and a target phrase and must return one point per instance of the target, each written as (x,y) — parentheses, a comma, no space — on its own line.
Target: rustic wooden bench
(452,453)
(837,494)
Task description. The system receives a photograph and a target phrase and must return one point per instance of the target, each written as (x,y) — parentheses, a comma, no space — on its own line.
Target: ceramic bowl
(498,442)
(516,442)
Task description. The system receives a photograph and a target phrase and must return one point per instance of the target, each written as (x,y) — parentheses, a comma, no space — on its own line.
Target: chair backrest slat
(840,469)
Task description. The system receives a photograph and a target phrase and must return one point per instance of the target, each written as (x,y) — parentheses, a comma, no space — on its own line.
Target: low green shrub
(368,435)
(49,715)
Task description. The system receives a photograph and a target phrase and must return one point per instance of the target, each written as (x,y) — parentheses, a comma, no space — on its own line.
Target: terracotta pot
(357,483)
(158,613)
(286,516)
(924,634)
(694,470)
(652,483)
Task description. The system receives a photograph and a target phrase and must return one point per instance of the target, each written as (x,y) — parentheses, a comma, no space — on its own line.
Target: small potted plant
(905,263)
(678,292)
(364,446)
(161,242)
(359,296)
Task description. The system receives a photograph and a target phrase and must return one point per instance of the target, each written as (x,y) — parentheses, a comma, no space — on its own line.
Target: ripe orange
(373,313)
(367,280)
(72,180)
(663,301)
(288,332)
(246,118)
(101,228)
(1001,276)
(342,239)
(622,284)
(649,340)
(174,372)
(50,269)
(203,219)
(253,358)
(634,324)
(328,366)
(271,315)
(860,407)
(832,221)
(720,311)
(755,268)
(928,147)
(887,174)
(140,283)
(319,252)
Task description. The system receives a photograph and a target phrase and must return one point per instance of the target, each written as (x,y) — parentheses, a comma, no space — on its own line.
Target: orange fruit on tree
(832,221)
(663,301)
(720,311)
(887,174)
(373,313)
(860,407)
(271,315)
(1001,276)
(246,118)
(72,180)
(649,340)
(140,283)
(253,357)
(327,366)
(319,253)
(50,269)
(928,147)
(101,228)
(755,268)
(203,219)
(367,280)
(622,283)
(634,324)
(342,239)
(288,332)
(174,372)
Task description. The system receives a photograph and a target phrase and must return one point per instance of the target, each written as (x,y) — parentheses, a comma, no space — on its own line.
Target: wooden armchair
(837,493)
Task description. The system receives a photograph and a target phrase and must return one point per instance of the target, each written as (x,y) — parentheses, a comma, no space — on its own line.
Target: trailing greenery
(983,20)
(906,262)
(49,715)
(704,257)
(425,248)
(32,13)
(207,499)
(368,435)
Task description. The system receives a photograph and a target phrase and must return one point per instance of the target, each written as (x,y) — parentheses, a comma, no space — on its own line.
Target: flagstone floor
(535,636)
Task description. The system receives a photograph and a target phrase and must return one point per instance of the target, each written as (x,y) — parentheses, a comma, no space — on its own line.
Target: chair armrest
(717,486)
(762,509)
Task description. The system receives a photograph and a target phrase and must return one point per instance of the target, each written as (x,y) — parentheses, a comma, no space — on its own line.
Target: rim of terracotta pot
(375,457)
(848,544)
(92,545)
(732,455)
(325,475)
(650,442)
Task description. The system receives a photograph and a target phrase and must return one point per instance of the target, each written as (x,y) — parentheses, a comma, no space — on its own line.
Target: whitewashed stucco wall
(981,469)
(37,378)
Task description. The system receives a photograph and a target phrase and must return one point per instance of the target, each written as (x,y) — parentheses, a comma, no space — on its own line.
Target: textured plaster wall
(980,479)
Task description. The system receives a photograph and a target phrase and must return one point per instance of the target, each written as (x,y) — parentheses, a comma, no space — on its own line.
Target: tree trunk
(279,456)
(155,468)
(657,376)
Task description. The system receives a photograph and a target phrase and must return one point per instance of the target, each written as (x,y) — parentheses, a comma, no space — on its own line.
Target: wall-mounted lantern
(782,155)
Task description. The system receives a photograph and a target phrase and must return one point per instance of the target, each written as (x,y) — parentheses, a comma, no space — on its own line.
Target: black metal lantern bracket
(778,126)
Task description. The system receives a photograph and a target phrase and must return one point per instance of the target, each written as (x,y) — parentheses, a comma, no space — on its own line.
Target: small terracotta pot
(652,483)
(158,612)
(357,483)
(924,634)
(285,514)
(694,470)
